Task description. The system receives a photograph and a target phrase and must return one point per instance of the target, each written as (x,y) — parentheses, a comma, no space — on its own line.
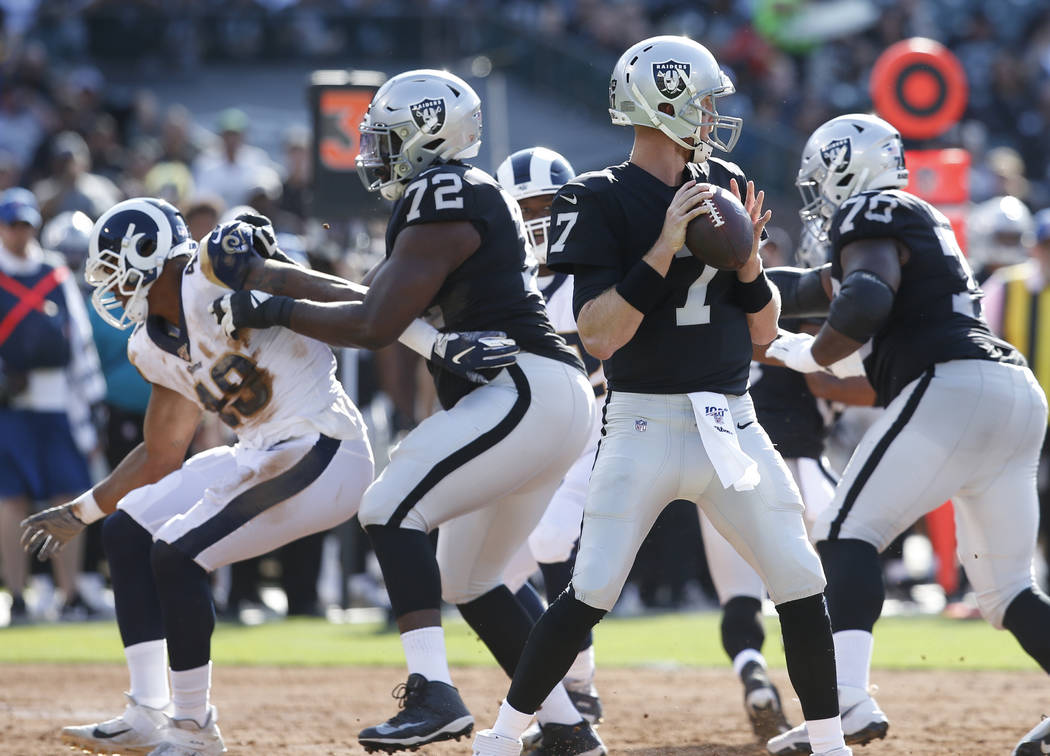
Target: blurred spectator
(296,190)
(51,374)
(999,233)
(72,186)
(232,169)
(202,216)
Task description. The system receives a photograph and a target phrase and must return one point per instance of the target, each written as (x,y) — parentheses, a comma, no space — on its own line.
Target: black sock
(552,647)
(556,577)
(186,605)
(529,598)
(855,590)
(127,545)
(502,624)
(742,625)
(410,568)
(1028,618)
(810,655)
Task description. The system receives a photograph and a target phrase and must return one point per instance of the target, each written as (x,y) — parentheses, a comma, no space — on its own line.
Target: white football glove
(849,366)
(795,350)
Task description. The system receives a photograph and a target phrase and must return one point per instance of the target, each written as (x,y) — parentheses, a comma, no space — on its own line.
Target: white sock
(853,657)
(583,667)
(189,693)
(745,657)
(557,708)
(148,670)
(425,653)
(511,723)
(825,734)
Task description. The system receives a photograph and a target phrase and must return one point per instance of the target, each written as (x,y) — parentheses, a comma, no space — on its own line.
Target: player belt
(28,298)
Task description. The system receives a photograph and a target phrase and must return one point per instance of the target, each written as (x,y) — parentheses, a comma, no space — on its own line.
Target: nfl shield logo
(429,115)
(670,77)
(836,154)
(640,425)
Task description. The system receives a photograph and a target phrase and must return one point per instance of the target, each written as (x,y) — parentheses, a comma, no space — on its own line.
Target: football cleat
(1036,742)
(569,740)
(862,722)
(138,730)
(584,697)
(430,711)
(184,737)
(762,702)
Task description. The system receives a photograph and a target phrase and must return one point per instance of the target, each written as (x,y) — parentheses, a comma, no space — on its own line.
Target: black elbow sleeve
(861,306)
(802,294)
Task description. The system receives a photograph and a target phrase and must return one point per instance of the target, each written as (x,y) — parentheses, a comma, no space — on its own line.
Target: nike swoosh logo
(386,729)
(741,427)
(459,356)
(103,735)
(570,198)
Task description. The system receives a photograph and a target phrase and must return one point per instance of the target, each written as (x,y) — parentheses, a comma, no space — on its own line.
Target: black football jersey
(697,339)
(787,409)
(494,289)
(936,315)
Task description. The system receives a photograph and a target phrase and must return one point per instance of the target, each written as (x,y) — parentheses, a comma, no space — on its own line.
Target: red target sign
(919,86)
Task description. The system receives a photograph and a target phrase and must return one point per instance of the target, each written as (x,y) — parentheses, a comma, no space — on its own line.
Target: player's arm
(610,319)
(871,273)
(761,301)
(171,421)
(804,292)
(854,391)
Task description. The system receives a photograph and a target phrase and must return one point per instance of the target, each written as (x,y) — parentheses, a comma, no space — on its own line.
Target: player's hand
(229,252)
(250,309)
(752,202)
(850,366)
(795,350)
(687,204)
(48,531)
(264,238)
(467,353)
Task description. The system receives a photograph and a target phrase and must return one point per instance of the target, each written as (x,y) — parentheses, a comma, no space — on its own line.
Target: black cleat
(430,711)
(584,697)
(762,702)
(1036,742)
(569,740)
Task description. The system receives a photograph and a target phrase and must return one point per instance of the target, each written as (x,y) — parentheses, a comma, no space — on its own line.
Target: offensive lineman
(676,339)
(301,464)
(485,467)
(965,417)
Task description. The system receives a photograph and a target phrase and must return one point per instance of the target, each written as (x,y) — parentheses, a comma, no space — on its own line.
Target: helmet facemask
(120,291)
(381,164)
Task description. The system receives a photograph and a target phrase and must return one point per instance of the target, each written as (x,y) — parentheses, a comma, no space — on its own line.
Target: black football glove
(264,239)
(251,309)
(467,353)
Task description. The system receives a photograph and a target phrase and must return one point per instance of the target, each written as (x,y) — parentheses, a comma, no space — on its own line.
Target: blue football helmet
(535,172)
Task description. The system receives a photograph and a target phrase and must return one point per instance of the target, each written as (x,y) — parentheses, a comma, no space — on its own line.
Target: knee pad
(549,543)
(855,591)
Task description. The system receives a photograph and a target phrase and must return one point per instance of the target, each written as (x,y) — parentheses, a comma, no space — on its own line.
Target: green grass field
(661,640)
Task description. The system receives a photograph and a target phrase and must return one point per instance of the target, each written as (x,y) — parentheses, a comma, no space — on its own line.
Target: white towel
(715,422)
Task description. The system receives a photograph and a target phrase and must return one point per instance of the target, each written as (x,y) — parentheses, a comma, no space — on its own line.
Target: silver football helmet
(845,156)
(535,172)
(129,245)
(1000,232)
(70,234)
(672,84)
(416,119)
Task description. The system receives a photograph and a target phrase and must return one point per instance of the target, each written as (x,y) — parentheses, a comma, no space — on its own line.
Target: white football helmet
(672,84)
(129,245)
(414,120)
(535,172)
(70,234)
(845,156)
(1000,231)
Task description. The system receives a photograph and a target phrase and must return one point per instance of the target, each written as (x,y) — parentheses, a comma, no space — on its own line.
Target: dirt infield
(693,712)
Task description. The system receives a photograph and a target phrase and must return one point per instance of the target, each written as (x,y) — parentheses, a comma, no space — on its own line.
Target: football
(722,237)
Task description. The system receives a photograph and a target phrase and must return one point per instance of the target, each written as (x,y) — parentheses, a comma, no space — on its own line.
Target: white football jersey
(557,291)
(268,386)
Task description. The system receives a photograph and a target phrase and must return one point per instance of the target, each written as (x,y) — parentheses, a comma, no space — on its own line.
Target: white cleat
(184,737)
(862,722)
(844,751)
(136,731)
(1036,742)
(488,743)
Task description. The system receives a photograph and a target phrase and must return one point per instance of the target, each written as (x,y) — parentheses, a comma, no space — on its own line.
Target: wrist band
(643,288)
(420,338)
(86,508)
(278,310)
(754,295)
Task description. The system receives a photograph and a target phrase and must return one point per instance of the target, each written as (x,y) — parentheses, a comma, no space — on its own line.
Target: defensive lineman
(301,464)
(676,338)
(485,467)
(965,418)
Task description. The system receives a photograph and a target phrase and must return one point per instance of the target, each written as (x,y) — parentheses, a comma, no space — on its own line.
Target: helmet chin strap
(702,151)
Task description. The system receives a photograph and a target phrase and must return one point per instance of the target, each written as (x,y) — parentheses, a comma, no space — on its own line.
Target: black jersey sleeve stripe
(475,448)
(878,452)
(257,499)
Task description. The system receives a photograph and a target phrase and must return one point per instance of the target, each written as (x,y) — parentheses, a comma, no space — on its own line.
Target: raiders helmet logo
(429,115)
(837,154)
(670,77)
